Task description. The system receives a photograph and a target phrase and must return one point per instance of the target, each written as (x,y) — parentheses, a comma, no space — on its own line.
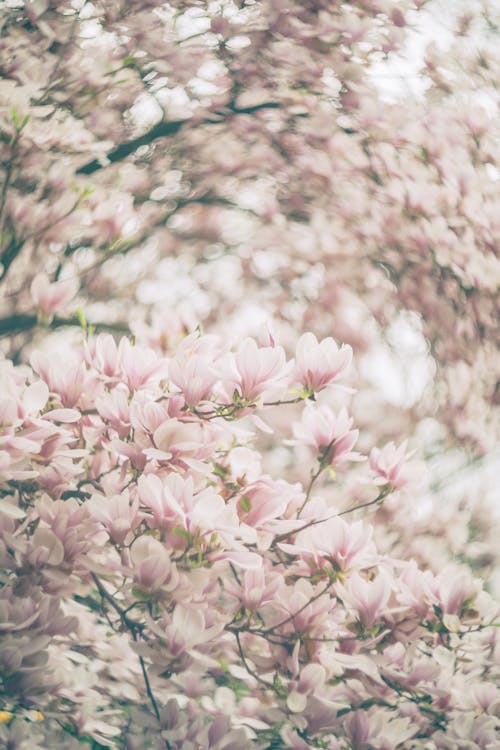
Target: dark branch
(165,129)
(20,322)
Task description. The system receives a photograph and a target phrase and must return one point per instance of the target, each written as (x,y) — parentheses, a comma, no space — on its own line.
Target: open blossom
(453,587)
(263,506)
(367,598)
(297,608)
(152,566)
(327,432)
(312,678)
(390,465)
(252,370)
(181,441)
(317,364)
(255,588)
(195,375)
(334,541)
(187,629)
(118,515)
(68,382)
(49,297)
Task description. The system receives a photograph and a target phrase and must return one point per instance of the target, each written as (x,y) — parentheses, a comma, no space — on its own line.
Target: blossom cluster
(343,203)
(159,589)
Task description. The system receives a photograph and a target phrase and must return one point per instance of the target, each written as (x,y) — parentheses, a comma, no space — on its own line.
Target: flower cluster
(148,562)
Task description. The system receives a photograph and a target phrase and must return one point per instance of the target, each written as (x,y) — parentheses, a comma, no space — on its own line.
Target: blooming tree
(159,589)
(204,534)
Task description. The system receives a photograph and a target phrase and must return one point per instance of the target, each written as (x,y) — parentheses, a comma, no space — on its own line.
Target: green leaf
(181,532)
(81,318)
(245,504)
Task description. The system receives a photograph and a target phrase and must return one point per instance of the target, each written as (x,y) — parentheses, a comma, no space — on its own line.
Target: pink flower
(317,364)
(152,567)
(114,407)
(254,370)
(307,613)
(139,364)
(102,354)
(367,598)
(328,433)
(312,678)
(453,587)
(50,297)
(194,375)
(390,465)
(262,506)
(117,514)
(178,441)
(187,629)
(67,382)
(335,542)
(253,591)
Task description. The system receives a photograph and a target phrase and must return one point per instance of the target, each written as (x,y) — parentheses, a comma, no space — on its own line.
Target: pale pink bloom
(203,514)
(255,589)
(152,566)
(415,588)
(164,497)
(47,549)
(194,375)
(146,415)
(49,297)
(367,598)
(307,614)
(482,696)
(254,370)
(240,558)
(135,364)
(317,364)
(73,525)
(110,217)
(34,399)
(187,629)
(452,587)
(180,441)
(328,433)
(9,411)
(358,730)
(334,542)
(262,506)
(102,354)
(469,731)
(390,465)
(139,365)
(378,730)
(312,678)
(267,336)
(114,408)
(117,513)
(67,382)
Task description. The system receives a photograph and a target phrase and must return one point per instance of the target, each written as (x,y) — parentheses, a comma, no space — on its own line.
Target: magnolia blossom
(336,542)
(368,598)
(118,515)
(152,566)
(328,433)
(50,297)
(256,588)
(390,465)
(255,369)
(318,364)
(195,376)
(173,573)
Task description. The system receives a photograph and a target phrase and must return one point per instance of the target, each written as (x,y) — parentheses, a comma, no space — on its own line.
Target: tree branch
(19,322)
(165,129)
